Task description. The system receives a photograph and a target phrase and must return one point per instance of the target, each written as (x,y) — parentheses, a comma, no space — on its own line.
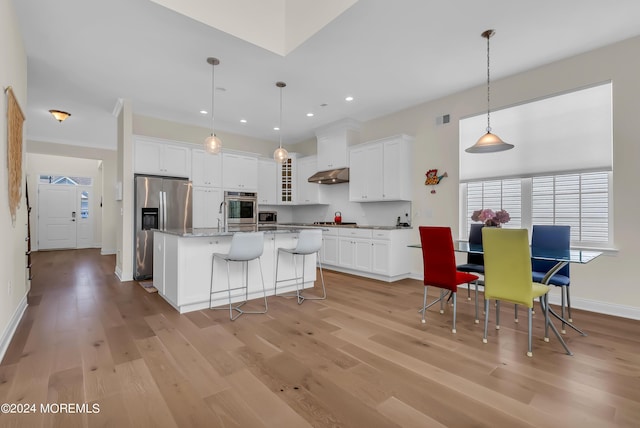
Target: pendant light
(280,155)
(212,144)
(489,142)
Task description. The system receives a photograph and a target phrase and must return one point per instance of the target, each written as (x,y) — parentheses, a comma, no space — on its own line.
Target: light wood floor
(359,359)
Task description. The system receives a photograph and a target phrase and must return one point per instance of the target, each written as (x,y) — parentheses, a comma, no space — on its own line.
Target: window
(580,200)
(64,180)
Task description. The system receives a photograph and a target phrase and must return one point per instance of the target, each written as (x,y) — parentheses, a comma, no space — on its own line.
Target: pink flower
(490,217)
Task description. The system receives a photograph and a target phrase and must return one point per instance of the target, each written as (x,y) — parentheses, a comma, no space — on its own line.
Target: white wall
(608,283)
(38,164)
(14,284)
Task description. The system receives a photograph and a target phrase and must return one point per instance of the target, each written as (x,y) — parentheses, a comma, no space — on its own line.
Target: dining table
(561,259)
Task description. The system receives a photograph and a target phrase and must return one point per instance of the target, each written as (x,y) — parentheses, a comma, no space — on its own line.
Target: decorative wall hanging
(15,119)
(433,178)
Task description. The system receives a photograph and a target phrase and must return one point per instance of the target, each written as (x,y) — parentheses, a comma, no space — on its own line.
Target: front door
(65,219)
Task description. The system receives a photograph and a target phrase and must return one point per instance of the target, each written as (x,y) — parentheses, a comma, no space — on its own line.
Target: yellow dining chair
(507,275)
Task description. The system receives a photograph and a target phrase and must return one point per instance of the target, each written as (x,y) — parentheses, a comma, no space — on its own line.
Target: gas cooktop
(333,223)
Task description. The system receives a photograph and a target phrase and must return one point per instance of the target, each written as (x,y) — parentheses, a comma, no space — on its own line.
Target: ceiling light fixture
(59,115)
(280,155)
(489,142)
(212,144)
(309,114)
(349,98)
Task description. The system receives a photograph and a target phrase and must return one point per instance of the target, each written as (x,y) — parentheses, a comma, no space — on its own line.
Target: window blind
(563,133)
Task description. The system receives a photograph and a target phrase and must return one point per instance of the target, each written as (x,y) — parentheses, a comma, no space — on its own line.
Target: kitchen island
(182,267)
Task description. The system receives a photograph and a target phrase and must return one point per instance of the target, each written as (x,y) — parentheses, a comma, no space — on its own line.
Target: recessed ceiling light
(275,128)
(204,112)
(309,114)
(349,98)
(324,105)
(221,89)
(243,120)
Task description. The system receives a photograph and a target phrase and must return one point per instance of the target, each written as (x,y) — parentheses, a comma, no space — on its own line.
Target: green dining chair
(507,276)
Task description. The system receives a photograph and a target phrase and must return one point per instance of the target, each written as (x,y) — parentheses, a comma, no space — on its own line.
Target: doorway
(65,217)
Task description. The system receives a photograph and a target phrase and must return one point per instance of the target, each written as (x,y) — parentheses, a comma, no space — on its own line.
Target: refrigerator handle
(160,211)
(164,207)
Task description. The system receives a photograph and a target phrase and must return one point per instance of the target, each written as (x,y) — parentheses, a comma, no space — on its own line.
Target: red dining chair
(440,271)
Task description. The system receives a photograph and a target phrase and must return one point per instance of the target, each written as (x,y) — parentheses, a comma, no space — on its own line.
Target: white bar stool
(244,248)
(309,242)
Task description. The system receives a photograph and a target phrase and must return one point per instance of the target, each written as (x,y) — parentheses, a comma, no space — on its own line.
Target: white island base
(182,269)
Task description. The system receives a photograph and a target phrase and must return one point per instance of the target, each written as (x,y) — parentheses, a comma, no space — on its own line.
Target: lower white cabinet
(374,253)
(182,269)
(329,253)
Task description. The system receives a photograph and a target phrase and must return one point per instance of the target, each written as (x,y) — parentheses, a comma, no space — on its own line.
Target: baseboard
(623,311)
(13,325)
(107,251)
(118,273)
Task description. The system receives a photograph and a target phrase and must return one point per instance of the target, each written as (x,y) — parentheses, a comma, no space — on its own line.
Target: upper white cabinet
(161,158)
(333,142)
(267,182)
(381,170)
(239,172)
(206,168)
(206,207)
(287,178)
(307,193)
(365,173)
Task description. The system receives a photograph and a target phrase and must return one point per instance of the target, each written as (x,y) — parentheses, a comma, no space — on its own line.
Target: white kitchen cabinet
(381,170)
(329,252)
(267,182)
(332,152)
(239,172)
(354,248)
(187,270)
(157,157)
(287,180)
(306,193)
(380,257)
(375,253)
(333,143)
(396,169)
(365,173)
(158,262)
(206,206)
(206,168)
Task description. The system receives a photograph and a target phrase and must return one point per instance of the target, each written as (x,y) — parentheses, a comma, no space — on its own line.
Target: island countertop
(209,232)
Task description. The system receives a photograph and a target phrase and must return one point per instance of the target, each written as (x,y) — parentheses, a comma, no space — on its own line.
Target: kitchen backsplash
(369,213)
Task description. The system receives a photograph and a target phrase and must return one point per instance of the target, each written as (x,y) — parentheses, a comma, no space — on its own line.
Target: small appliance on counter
(338,217)
(267,220)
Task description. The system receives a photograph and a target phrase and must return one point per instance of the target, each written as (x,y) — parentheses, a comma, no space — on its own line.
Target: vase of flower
(491,218)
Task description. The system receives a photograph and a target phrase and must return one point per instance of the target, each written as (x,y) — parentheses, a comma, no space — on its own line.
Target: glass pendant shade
(280,155)
(489,143)
(212,144)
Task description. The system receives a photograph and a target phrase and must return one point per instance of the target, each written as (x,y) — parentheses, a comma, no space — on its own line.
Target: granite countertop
(349,226)
(208,232)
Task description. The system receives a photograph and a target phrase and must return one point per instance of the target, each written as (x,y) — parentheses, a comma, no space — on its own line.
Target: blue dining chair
(552,238)
(475,262)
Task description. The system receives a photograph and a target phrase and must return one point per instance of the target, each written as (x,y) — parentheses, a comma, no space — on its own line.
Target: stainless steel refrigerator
(162,203)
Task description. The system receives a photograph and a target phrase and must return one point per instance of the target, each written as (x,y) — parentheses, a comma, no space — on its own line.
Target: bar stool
(309,242)
(244,248)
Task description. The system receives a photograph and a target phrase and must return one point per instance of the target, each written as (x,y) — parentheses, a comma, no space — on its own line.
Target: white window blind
(564,133)
(578,200)
(495,195)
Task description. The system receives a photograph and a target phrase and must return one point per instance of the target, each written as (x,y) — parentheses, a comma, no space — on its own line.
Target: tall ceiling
(389,55)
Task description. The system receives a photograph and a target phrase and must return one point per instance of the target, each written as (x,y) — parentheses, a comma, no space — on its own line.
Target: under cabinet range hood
(332,176)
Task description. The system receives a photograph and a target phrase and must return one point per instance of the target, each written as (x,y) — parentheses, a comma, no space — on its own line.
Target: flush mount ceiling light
(489,142)
(59,115)
(280,155)
(213,144)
